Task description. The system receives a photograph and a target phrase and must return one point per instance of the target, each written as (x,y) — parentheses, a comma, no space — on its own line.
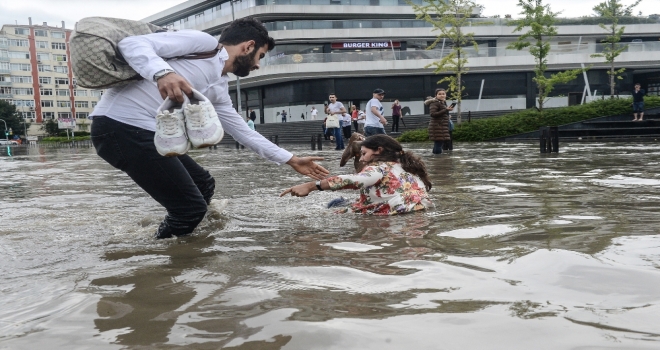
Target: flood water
(522,251)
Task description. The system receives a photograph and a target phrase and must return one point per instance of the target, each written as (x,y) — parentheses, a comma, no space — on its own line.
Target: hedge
(531,120)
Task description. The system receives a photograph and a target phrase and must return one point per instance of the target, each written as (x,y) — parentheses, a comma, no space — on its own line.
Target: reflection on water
(522,250)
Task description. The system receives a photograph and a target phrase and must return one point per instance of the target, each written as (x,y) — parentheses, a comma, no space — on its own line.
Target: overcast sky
(70,11)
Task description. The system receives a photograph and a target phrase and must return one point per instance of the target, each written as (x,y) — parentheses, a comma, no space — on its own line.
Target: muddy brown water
(522,251)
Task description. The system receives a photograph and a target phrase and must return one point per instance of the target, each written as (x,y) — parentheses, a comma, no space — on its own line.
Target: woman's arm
(437,110)
(369,176)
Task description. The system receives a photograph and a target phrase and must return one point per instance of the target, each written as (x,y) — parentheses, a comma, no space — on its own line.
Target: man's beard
(243,64)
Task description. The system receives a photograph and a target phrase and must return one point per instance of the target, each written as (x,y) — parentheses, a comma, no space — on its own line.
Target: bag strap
(198,55)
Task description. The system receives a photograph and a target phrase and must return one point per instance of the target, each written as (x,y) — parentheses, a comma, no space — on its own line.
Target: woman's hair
(393,152)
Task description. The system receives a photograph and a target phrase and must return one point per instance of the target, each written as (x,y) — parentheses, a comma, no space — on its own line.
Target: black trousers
(179,184)
(395,123)
(347,131)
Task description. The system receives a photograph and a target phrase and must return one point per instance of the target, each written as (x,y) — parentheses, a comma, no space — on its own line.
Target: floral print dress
(385,189)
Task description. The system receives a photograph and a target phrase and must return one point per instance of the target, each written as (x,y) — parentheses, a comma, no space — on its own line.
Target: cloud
(70,11)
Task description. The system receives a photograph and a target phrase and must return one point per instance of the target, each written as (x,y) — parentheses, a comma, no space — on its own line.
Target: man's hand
(383,120)
(174,86)
(301,190)
(306,166)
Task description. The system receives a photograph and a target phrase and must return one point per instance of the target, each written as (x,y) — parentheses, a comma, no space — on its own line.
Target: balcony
(6,96)
(5,83)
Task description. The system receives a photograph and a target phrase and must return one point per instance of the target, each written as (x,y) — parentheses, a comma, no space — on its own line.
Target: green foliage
(417,135)
(539,22)
(64,139)
(450,18)
(611,11)
(531,119)
(50,127)
(12,117)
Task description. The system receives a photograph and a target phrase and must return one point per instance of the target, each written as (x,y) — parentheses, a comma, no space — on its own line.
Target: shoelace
(197,117)
(168,124)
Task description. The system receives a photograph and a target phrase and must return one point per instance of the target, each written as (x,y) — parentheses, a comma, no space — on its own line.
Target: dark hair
(393,152)
(438,90)
(638,84)
(246,29)
(332,94)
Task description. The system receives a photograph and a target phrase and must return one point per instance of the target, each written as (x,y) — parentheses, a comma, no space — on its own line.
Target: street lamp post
(6,133)
(238,79)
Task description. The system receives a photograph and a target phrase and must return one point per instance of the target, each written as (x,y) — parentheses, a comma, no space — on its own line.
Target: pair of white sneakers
(180,125)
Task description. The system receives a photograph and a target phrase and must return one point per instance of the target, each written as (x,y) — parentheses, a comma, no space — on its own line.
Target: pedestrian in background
(375,120)
(439,124)
(314,112)
(396,115)
(283,116)
(638,102)
(354,117)
(253,115)
(346,125)
(337,109)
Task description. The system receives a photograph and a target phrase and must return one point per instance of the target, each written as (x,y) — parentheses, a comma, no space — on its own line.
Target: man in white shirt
(314,112)
(346,123)
(337,108)
(124,120)
(375,120)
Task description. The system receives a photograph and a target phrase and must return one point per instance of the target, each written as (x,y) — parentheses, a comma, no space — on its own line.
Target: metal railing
(470,52)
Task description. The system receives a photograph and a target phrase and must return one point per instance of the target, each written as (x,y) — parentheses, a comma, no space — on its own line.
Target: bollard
(549,139)
(319,143)
(469,116)
(554,136)
(313,143)
(277,141)
(238,145)
(215,146)
(543,140)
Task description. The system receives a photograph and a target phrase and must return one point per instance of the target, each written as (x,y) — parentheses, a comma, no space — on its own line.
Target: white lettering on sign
(366,45)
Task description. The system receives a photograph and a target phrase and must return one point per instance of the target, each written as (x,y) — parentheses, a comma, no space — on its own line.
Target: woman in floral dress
(393,182)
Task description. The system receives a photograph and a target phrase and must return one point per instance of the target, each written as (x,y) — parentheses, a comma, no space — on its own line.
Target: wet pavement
(522,251)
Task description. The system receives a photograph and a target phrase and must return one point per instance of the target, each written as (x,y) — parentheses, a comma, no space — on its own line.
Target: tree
(12,117)
(51,127)
(450,18)
(611,11)
(539,22)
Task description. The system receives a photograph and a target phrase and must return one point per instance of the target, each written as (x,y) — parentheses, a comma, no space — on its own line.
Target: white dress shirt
(136,103)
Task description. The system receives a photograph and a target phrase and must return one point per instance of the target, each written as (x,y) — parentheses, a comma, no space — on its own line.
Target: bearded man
(124,123)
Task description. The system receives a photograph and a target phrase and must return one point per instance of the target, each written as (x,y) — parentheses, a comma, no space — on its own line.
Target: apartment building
(36,75)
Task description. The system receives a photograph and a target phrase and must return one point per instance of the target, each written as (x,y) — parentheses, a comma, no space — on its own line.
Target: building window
(46,103)
(25,79)
(5,90)
(44,68)
(21,31)
(82,115)
(81,93)
(28,114)
(66,104)
(4,65)
(61,69)
(19,54)
(42,44)
(82,104)
(23,103)
(44,80)
(20,66)
(58,35)
(58,46)
(64,115)
(43,56)
(94,103)
(46,92)
(62,81)
(23,91)
(18,42)
(96,93)
(40,32)
(59,58)
(48,115)
(62,92)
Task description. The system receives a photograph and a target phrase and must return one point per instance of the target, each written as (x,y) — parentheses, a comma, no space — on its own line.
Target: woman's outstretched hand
(306,166)
(300,190)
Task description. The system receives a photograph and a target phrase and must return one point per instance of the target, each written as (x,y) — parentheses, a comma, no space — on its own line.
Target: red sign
(366,45)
